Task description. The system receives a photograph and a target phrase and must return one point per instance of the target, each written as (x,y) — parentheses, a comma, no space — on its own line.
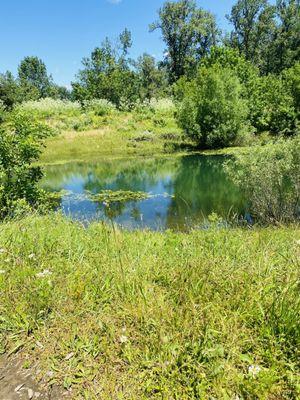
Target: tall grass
(50,107)
(140,315)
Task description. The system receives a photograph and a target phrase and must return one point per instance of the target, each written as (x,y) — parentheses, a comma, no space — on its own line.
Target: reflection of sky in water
(195,187)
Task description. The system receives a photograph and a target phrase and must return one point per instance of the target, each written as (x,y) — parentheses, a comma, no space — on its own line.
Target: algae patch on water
(118,196)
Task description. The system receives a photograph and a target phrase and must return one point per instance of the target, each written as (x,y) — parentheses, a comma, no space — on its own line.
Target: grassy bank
(139,315)
(117,134)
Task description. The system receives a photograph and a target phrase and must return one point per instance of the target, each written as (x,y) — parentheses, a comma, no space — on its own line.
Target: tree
(213,112)
(254,25)
(271,106)
(286,43)
(106,73)
(153,80)
(33,72)
(20,147)
(189,33)
(9,90)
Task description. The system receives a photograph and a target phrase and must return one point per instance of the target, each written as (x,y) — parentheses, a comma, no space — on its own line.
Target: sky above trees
(63,32)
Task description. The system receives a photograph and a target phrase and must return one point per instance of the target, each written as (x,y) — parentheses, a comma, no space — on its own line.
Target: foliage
(291,79)
(33,73)
(20,146)
(285,46)
(226,57)
(253,23)
(99,107)
(139,315)
(2,111)
(9,90)
(213,112)
(189,32)
(268,35)
(272,99)
(270,177)
(153,78)
(272,106)
(106,74)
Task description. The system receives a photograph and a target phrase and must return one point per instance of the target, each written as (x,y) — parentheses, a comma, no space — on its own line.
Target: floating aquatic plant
(111,196)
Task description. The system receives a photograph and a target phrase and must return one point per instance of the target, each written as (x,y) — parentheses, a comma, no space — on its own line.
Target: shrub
(99,107)
(2,111)
(270,178)
(271,106)
(213,112)
(165,105)
(20,146)
(291,78)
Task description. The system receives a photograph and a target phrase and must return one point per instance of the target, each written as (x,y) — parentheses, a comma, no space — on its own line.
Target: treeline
(245,80)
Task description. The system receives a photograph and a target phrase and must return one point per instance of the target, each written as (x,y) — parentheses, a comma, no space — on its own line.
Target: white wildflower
(2,251)
(123,339)
(2,271)
(254,370)
(43,274)
(31,256)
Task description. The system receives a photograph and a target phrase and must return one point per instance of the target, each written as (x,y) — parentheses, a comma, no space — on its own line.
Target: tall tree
(153,80)
(9,90)
(286,44)
(106,73)
(188,31)
(253,25)
(33,72)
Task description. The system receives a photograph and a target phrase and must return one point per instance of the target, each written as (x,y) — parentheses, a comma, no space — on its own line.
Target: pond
(184,191)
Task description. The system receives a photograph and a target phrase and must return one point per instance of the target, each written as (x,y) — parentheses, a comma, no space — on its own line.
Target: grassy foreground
(142,315)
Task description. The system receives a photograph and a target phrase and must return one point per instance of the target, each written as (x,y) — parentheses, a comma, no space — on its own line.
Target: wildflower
(123,339)
(254,370)
(31,256)
(2,271)
(43,274)
(2,251)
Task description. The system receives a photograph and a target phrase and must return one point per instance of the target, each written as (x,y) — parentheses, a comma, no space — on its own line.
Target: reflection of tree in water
(199,184)
(136,213)
(113,210)
(130,174)
(200,188)
(136,176)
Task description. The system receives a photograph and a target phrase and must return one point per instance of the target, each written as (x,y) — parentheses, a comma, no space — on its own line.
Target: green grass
(141,315)
(116,135)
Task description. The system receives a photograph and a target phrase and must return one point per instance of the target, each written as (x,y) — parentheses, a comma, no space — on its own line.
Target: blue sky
(62,32)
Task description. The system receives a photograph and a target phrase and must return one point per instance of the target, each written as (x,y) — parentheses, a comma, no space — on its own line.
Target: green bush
(291,78)
(213,112)
(99,107)
(270,178)
(271,106)
(20,146)
(2,111)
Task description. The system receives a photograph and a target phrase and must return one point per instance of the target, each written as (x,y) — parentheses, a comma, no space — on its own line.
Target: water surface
(186,190)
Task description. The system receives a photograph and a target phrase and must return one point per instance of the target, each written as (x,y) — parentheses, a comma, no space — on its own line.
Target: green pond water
(184,191)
